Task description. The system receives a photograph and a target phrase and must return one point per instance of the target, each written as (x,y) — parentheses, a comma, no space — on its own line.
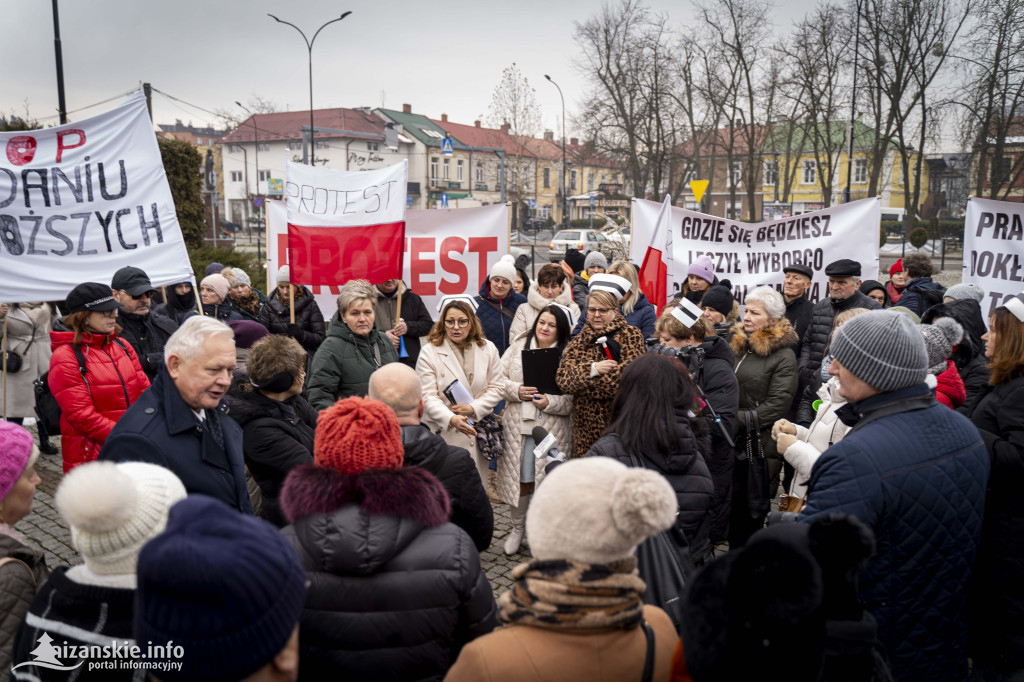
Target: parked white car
(583,240)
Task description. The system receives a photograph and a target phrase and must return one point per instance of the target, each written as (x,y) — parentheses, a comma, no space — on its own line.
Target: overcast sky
(444,56)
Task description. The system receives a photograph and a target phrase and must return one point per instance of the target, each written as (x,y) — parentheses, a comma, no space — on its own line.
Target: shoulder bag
(758,502)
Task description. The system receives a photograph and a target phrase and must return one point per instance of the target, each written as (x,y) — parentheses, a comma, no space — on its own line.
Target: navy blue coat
(918,480)
(914,296)
(643,317)
(495,324)
(160,428)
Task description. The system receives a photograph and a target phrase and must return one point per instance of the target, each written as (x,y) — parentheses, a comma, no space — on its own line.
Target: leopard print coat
(592,396)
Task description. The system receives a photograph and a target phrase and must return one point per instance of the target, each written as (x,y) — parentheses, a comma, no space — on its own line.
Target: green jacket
(344,362)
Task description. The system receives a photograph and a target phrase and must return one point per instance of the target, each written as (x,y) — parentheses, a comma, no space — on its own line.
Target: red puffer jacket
(89,408)
(950,390)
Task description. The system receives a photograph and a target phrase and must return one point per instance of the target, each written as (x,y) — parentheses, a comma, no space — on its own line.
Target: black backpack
(47,409)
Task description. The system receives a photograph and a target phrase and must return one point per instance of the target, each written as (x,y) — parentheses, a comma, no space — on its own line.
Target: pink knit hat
(218,283)
(703,268)
(17,451)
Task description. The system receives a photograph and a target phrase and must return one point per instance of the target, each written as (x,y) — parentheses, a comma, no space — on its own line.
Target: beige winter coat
(28,335)
(439,366)
(527,314)
(518,420)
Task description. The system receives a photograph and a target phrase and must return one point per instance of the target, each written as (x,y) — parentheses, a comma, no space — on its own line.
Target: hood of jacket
(588,335)
(538,302)
(63,338)
(717,348)
(485,293)
(247,406)
(357,523)
(968,313)
(763,342)
(300,303)
(830,391)
(339,329)
(869,285)
(422,446)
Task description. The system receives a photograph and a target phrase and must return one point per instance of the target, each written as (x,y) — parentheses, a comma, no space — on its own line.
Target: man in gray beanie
(916,472)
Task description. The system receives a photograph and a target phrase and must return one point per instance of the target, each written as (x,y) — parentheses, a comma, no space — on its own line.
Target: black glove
(293,330)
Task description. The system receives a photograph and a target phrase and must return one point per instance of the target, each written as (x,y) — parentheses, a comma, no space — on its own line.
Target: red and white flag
(654,271)
(345,225)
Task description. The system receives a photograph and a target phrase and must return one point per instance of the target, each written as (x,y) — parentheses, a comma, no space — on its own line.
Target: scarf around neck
(571,595)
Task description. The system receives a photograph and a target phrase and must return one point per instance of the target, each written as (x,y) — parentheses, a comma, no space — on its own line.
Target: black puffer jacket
(814,344)
(685,469)
(580,291)
(995,628)
(718,381)
(969,355)
(276,437)
(178,306)
(309,329)
(147,334)
(393,595)
(454,467)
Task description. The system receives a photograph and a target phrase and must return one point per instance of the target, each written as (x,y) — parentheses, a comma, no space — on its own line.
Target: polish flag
(654,271)
(345,225)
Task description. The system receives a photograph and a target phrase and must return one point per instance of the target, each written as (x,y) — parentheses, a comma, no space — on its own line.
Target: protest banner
(753,254)
(80,201)
(447,251)
(345,224)
(993,250)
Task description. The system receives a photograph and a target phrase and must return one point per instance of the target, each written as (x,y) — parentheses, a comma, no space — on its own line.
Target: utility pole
(565,183)
(61,104)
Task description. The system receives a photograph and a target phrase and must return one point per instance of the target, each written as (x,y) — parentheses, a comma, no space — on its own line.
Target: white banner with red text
(753,254)
(446,251)
(82,200)
(994,250)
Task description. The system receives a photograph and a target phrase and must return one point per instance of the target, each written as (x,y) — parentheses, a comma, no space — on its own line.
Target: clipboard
(457,394)
(539,369)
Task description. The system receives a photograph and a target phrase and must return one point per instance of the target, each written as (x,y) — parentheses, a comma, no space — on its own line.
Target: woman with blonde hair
(353,349)
(634,306)
(592,363)
(458,351)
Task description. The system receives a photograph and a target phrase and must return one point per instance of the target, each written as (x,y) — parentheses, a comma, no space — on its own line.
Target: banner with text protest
(345,224)
(994,250)
(81,200)
(446,251)
(752,254)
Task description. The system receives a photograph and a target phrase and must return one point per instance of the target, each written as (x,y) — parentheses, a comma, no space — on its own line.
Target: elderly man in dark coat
(923,496)
(181,421)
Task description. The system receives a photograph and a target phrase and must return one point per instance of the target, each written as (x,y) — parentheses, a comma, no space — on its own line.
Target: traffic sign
(257,202)
(593,201)
(446,146)
(444,201)
(532,203)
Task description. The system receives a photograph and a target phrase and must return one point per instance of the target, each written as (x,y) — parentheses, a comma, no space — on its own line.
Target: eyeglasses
(464,322)
(599,311)
(145,294)
(109,313)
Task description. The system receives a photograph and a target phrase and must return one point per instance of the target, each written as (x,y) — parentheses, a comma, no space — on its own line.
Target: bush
(917,237)
(883,236)
(231,258)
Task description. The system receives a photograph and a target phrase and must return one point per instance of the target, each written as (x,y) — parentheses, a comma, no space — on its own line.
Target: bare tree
(992,95)
(514,104)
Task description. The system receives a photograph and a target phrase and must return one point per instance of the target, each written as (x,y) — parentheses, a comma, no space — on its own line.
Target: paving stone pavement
(47,533)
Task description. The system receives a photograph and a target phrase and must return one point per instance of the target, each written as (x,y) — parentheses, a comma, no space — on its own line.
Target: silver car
(583,240)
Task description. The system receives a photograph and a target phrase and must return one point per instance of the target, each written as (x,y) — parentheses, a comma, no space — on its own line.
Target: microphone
(547,447)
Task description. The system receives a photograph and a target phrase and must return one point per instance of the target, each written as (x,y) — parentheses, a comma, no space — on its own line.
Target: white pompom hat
(596,510)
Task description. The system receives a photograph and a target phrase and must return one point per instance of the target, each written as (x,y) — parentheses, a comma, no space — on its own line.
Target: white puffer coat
(518,420)
(825,431)
(526,315)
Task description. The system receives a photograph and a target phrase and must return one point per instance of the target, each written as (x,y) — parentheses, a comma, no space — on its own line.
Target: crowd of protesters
(283,499)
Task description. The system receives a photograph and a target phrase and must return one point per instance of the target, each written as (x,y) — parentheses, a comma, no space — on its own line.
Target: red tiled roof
(287,125)
(492,137)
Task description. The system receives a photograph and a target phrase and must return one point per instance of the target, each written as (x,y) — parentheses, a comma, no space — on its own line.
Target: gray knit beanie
(595,258)
(882,348)
(940,338)
(959,292)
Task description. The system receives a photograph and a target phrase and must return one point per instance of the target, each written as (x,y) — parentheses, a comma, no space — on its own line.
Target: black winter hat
(718,298)
(91,297)
(800,268)
(574,259)
(844,267)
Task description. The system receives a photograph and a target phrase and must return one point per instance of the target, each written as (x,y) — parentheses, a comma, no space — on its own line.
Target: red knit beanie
(356,434)
(896,267)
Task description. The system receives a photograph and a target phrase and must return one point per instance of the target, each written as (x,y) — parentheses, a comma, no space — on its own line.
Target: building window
(547,177)
(322,144)
(263,147)
(458,170)
(447,170)
(236,176)
(591,178)
(234,149)
(603,178)
(373,146)
(199,141)
(860,171)
(572,179)
(433,168)
(480,173)
(264,175)
(737,173)
(771,172)
(1003,167)
(810,174)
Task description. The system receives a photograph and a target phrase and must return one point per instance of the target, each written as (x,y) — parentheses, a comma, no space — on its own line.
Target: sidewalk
(46,532)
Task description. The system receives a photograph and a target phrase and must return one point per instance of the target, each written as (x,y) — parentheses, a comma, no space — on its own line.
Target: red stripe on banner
(325,256)
(653,277)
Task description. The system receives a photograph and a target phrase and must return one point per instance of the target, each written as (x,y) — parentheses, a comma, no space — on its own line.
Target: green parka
(344,362)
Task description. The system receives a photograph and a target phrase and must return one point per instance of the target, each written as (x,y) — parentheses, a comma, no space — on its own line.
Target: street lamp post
(309,49)
(853,109)
(565,183)
(256,141)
